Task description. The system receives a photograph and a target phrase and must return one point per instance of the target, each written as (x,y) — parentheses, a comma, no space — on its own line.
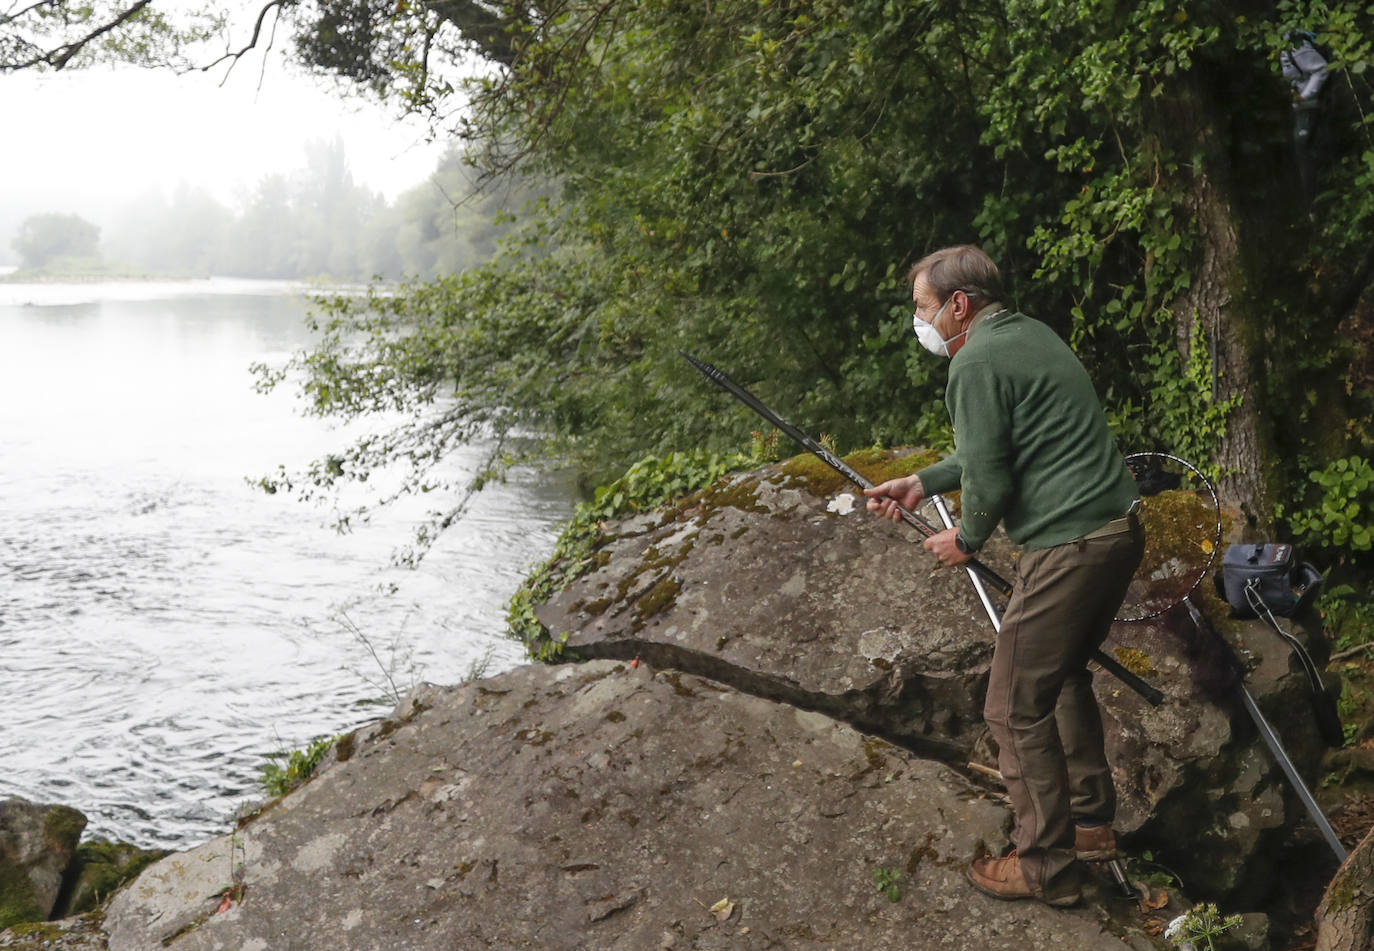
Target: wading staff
(1271,740)
(976,569)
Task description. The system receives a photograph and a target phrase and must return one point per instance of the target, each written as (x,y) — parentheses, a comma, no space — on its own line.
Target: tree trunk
(1209,301)
(1220,298)
(1345,917)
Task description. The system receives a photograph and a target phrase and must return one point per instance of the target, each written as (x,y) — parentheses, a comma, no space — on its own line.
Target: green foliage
(1341,515)
(1355,706)
(1144,868)
(888,881)
(42,240)
(763,447)
(279,780)
(1185,416)
(70,35)
(751,182)
(1347,618)
(650,482)
(1350,707)
(654,480)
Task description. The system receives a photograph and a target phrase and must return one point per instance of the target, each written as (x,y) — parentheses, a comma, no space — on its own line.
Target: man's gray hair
(960,268)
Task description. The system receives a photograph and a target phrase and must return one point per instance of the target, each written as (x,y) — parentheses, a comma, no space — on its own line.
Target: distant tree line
(314,222)
(44,239)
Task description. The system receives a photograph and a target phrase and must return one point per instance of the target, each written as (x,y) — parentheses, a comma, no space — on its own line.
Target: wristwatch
(962,545)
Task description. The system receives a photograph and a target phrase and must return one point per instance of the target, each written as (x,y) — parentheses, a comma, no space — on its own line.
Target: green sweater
(1032,447)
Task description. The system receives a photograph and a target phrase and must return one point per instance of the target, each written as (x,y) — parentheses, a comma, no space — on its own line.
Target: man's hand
(942,547)
(883,499)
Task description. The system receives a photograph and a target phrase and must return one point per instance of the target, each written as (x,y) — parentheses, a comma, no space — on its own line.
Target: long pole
(1271,740)
(974,567)
(947,520)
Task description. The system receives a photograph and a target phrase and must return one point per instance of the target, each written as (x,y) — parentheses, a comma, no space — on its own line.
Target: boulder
(37,843)
(606,806)
(778,583)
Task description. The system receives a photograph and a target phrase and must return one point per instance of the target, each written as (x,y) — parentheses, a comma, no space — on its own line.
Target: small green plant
(1347,617)
(1146,869)
(547,649)
(478,667)
(1354,704)
(233,893)
(763,447)
(654,480)
(1196,929)
(300,765)
(1340,518)
(887,880)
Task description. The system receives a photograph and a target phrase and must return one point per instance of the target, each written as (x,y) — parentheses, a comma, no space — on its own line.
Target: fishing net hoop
(1152,610)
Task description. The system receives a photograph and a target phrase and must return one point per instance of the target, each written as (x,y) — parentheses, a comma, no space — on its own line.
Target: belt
(1115,527)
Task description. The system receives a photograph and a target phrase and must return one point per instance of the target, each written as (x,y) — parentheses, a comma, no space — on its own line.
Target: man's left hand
(942,546)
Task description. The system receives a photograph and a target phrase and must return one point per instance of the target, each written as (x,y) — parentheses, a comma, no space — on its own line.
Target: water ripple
(163,627)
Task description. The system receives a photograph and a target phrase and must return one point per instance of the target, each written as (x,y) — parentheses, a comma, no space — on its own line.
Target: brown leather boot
(1095,843)
(1002,878)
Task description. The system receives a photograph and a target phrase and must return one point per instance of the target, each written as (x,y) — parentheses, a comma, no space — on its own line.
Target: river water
(165,626)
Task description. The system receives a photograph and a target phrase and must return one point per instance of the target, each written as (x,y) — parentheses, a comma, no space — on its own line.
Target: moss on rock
(811,474)
(18,903)
(62,827)
(660,597)
(1137,662)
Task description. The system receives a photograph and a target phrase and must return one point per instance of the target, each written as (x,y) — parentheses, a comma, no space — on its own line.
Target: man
(1034,453)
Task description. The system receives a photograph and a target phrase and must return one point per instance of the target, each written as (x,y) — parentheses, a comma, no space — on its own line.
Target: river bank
(776,738)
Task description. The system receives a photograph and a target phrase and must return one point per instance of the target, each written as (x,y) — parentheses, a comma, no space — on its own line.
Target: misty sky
(88,142)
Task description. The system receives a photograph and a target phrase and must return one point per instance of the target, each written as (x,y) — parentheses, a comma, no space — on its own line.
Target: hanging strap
(1328,719)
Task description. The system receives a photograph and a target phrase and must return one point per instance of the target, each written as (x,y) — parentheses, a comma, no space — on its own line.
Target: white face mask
(930,337)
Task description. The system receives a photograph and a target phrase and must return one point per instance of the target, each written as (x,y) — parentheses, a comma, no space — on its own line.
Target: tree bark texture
(1345,917)
(1219,298)
(1210,302)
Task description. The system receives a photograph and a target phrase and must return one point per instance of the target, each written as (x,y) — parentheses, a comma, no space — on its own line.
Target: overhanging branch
(236,55)
(60,56)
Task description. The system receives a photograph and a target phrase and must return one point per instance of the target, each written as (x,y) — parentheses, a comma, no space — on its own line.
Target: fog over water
(89,142)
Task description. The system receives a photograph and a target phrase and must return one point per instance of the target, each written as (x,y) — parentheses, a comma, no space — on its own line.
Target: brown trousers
(1040,706)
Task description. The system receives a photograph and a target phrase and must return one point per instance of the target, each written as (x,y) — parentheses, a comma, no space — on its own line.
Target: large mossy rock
(37,843)
(603,806)
(778,582)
